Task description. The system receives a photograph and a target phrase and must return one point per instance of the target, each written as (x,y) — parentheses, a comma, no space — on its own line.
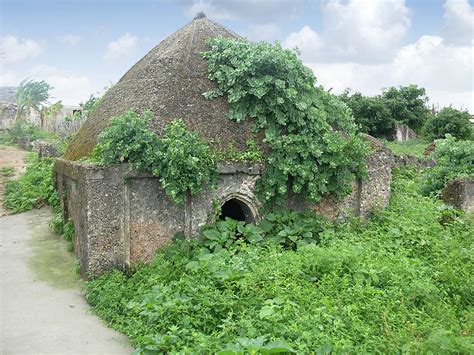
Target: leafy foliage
(399,283)
(253,153)
(371,113)
(407,105)
(290,229)
(454,158)
(30,95)
(7,171)
(182,161)
(33,189)
(23,131)
(314,148)
(448,121)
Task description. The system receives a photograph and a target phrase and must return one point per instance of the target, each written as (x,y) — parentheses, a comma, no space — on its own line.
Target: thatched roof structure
(169,81)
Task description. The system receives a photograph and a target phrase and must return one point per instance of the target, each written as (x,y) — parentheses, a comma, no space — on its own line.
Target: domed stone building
(122,216)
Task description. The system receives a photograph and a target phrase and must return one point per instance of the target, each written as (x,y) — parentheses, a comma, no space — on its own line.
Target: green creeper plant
(182,161)
(311,136)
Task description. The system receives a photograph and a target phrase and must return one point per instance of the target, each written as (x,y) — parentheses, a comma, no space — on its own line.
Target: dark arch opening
(237,210)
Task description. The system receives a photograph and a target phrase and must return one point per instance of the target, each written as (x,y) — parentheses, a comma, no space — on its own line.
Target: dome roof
(169,81)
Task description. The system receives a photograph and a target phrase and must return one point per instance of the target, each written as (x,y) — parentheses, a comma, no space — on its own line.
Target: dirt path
(10,157)
(42,310)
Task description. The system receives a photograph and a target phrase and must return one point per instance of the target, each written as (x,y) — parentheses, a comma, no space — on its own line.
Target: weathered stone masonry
(122,217)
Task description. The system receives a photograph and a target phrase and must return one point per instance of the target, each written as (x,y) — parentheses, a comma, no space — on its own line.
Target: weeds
(399,283)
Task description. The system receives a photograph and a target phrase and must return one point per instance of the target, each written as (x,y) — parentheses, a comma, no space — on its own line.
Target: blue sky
(82,46)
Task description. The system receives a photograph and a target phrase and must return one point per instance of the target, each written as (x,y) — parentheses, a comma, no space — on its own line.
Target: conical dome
(169,81)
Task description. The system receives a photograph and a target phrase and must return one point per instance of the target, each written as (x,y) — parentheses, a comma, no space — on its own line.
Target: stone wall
(403,133)
(459,193)
(122,217)
(368,193)
(60,124)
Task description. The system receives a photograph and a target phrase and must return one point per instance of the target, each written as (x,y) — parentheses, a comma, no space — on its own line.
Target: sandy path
(42,310)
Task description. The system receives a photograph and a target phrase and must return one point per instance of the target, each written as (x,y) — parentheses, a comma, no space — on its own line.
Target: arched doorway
(237,209)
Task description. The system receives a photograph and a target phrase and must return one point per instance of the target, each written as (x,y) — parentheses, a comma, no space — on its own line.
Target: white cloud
(458,22)
(306,40)
(446,72)
(68,87)
(70,39)
(264,32)
(359,48)
(356,30)
(18,49)
(123,48)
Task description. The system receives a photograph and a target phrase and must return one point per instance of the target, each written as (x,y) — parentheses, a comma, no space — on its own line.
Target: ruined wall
(403,133)
(459,193)
(371,192)
(122,217)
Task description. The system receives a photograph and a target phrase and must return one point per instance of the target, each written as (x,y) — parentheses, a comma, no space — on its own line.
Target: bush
(33,189)
(454,158)
(407,105)
(370,113)
(183,162)
(448,121)
(25,132)
(399,283)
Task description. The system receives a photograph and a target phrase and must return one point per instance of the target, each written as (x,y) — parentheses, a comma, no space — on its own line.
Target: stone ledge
(459,193)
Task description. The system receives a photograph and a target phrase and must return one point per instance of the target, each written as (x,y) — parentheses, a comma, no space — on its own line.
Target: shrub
(407,105)
(448,121)
(454,158)
(183,162)
(313,143)
(33,189)
(370,113)
(398,283)
(26,132)
(290,229)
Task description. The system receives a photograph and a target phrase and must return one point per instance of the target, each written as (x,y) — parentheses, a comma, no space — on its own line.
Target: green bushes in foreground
(400,283)
(32,189)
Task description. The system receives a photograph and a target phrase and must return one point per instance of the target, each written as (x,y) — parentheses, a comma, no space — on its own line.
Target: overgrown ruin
(122,217)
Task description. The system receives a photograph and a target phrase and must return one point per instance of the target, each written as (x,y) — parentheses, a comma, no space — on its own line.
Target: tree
(448,120)
(370,113)
(407,105)
(31,95)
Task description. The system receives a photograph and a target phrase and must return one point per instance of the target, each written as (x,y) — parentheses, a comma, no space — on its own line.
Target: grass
(7,171)
(399,283)
(414,147)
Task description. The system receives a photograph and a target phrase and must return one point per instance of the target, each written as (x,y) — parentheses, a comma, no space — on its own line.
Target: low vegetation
(399,283)
(35,189)
(414,147)
(454,159)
